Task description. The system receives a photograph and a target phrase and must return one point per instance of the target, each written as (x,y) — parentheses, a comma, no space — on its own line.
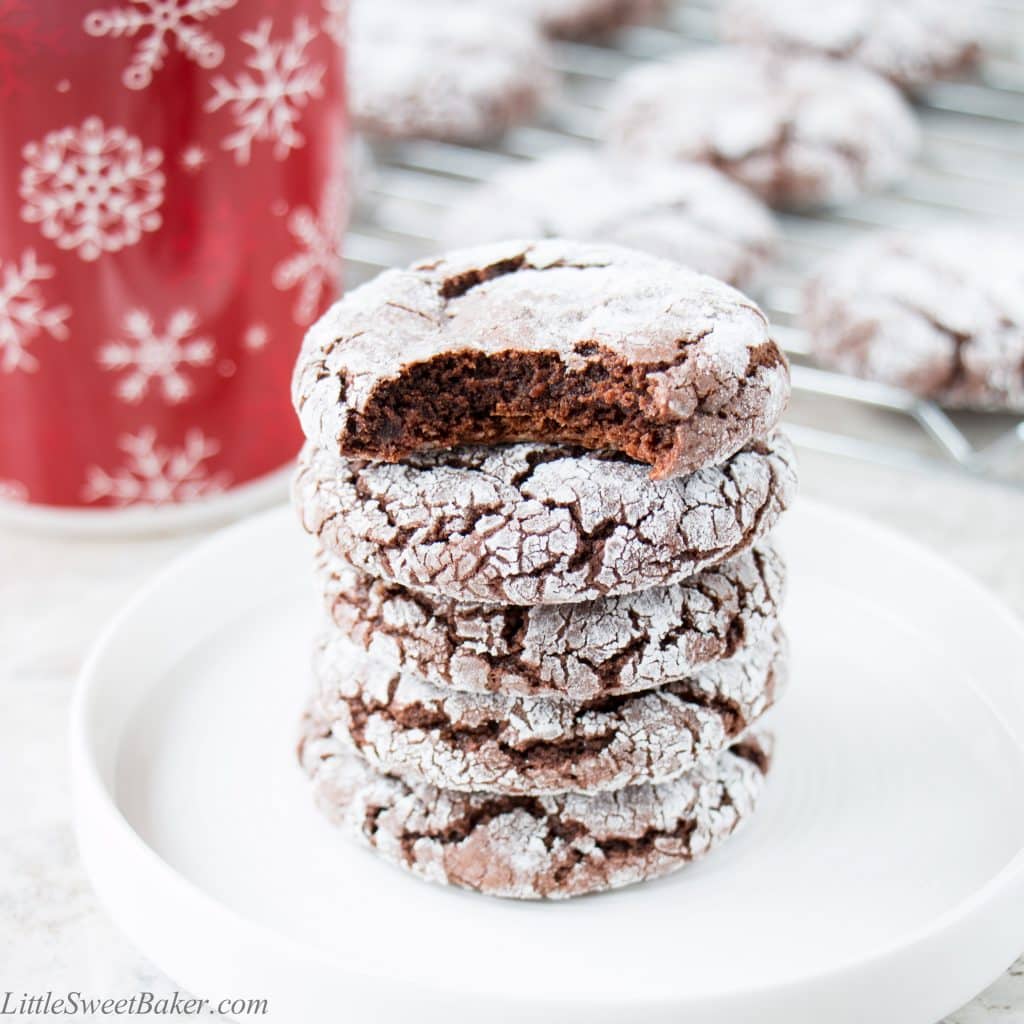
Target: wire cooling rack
(971,167)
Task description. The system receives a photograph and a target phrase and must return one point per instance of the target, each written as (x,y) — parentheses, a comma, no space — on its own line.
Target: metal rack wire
(971,167)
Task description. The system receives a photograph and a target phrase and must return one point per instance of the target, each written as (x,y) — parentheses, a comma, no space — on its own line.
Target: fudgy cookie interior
(473,397)
(479,398)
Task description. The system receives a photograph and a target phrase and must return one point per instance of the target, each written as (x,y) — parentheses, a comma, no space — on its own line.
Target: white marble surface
(56,594)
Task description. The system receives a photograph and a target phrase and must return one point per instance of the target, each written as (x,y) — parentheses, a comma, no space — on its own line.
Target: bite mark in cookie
(553,341)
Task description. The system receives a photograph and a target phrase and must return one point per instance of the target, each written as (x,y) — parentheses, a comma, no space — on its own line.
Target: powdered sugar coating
(689,213)
(499,743)
(796,130)
(940,313)
(538,524)
(712,377)
(580,651)
(577,19)
(549,847)
(912,42)
(442,71)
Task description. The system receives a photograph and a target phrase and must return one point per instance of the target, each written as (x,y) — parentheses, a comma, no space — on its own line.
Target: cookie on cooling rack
(940,313)
(501,743)
(689,213)
(527,847)
(582,651)
(799,131)
(912,42)
(579,19)
(552,340)
(539,524)
(442,70)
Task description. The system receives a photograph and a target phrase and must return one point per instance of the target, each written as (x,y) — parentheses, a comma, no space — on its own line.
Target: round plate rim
(92,796)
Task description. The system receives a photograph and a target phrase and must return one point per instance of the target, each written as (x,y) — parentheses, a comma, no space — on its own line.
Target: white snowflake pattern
(156,475)
(156,356)
(13,490)
(91,189)
(157,22)
(23,312)
(255,337)
(193,158)
(267,104)
(335,22)
(317,264)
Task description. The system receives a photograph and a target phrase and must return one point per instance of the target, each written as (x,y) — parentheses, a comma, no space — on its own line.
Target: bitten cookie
(536,847)
(940,313)
(912,42)
(499,743)
(579,651)
(442,70)
(538,524)
(688,213)
(553,341)
(799,131)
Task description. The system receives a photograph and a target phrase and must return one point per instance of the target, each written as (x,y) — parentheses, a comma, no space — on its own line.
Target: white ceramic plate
(882,880)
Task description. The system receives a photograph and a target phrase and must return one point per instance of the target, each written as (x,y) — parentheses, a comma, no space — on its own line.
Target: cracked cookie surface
(446,71)
(912,42)
(515,745)
(940,313)
(689,213)
(580,651)
(555,341)
(537,524)
(549,847)
(798,131)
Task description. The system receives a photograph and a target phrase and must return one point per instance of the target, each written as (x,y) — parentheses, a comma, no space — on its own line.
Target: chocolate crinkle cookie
(536,847)
(538,524)
(541,745)
(689,213)
(940,313)
(553,341)
(442,70)
(911,42)
(799,131)
(581,651)
(580,19)
(574,19)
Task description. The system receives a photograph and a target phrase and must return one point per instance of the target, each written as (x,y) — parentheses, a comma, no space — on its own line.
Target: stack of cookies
(542,477)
